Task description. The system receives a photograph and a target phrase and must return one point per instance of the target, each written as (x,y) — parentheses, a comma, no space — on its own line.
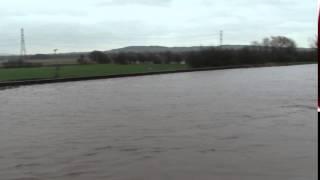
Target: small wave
(91,154)
(229,138)
(27,178)
(26,165)
(208,150)
(129,149)
(103,148)
(301,106)
(72,174)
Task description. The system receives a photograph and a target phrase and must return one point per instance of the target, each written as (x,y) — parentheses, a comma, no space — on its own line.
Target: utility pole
(57,66)
(23,51)
(221,38)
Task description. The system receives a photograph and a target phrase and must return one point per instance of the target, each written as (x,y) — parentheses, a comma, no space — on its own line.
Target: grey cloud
(14,13)
(80,37)
(137,2)
(249,2)
(141,22)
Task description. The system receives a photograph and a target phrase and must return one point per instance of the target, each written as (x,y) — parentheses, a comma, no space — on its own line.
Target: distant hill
(143,49)
(153,49)
(235,47)
(150,49)
(5,54)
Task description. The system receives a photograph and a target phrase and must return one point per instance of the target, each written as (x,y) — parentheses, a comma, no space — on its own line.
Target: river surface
(240,124)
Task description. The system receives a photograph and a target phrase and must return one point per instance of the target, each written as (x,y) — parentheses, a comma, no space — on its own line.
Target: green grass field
(83,71)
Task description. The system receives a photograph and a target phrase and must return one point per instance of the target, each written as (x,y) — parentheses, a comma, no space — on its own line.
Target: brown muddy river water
(241,124)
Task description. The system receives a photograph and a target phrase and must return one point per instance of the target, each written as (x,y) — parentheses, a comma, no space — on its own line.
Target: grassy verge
(83,71)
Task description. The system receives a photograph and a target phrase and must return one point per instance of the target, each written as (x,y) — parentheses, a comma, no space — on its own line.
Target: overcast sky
(85,25)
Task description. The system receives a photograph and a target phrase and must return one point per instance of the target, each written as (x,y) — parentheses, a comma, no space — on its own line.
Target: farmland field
(82,71)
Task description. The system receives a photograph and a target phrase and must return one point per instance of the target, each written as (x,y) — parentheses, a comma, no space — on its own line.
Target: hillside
(149,49)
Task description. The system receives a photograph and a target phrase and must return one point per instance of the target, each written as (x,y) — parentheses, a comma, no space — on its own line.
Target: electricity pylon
(23,51)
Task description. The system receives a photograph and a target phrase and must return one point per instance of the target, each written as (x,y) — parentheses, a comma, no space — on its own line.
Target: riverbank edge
(72,79)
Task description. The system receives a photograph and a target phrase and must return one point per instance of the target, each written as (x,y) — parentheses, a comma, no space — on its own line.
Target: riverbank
(135,72)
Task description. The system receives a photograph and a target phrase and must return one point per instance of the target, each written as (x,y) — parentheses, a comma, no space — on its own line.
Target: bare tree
(277,42)
(266,42)
(314,42)
(282,42)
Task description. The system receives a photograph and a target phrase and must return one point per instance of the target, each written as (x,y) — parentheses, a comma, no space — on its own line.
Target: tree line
(277,49)
(133,58)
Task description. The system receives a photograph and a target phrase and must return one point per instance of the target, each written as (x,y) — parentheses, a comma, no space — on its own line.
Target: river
(239,124)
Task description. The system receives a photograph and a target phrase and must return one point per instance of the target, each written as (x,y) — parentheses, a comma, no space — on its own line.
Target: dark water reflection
(231,124)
